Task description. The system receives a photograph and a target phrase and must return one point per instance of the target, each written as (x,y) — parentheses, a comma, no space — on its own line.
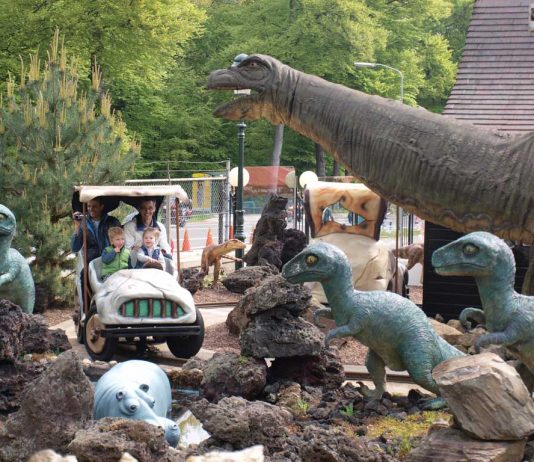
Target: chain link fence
(206,210)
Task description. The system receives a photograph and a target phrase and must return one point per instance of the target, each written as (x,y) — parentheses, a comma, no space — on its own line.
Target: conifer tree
(53,135)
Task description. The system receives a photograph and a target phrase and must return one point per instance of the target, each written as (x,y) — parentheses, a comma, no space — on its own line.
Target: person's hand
(117,249)
(135,248)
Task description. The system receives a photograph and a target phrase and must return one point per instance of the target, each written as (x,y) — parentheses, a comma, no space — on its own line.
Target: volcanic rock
(277,334)
(244,278)
(52,408)
(12,324)
(324,370)
(108,438)
(273,292)
(228,374)
(243,423)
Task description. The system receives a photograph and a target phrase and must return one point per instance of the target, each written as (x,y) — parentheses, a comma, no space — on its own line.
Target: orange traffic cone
(186,246)
(231,234)
(251,237)
(209,238)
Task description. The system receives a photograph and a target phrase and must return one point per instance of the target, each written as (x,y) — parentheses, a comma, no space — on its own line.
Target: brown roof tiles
(495,81)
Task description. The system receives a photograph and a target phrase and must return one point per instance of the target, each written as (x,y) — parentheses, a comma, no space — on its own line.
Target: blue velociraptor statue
(396,331)
(508,316)
(16,282)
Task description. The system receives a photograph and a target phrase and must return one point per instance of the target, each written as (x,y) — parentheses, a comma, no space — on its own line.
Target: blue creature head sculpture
(318,262)
(8,224)
(479,254)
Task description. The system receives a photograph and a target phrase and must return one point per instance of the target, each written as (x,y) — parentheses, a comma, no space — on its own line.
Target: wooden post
(177,220)
(85,266)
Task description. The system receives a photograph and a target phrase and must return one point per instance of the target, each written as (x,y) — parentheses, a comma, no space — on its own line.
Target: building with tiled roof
(494,89)
(495,81)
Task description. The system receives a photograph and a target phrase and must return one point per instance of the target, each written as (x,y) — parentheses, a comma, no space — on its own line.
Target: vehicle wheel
(185,347)
(98,347)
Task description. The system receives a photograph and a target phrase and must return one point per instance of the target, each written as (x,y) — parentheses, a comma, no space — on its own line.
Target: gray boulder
(228,374)
(445,444)
(13,380)
(244,278)
(38,338)
(278,334)
(108,438)
(243,423)
(325,370)
(52,409)
(12,324)
(273,292)
(486,396)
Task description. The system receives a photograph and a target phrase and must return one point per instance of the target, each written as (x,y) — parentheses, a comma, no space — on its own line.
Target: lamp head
(233,177)
(307,178)
(362,64)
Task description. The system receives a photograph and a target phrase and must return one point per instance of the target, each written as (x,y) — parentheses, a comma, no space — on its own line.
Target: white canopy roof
(90,192)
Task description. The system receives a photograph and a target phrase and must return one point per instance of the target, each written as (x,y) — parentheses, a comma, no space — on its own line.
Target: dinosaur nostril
(133,407)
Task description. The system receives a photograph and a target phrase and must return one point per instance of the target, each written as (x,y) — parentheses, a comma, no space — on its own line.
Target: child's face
(117,241)
(149,240)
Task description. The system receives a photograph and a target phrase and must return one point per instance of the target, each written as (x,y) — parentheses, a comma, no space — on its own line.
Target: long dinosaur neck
(430,164)
(5,244)
(496,292)
(338,288)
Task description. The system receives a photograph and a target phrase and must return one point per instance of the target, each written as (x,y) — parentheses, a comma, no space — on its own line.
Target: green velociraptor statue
(396,331)
(507,315)
(16,282)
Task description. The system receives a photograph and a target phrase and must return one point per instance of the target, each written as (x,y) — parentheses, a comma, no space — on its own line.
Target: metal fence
(206,210)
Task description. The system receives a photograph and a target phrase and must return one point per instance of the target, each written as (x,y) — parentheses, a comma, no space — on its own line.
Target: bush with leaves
(53,135)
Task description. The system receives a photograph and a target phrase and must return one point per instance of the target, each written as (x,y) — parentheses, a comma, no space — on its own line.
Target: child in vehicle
(115,256)
(150,255)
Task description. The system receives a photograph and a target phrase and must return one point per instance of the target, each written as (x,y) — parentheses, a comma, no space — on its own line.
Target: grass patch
(403,431)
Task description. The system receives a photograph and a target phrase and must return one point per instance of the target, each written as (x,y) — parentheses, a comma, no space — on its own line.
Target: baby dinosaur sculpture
(396,331)
(16,282)
(212,254)
(508,316)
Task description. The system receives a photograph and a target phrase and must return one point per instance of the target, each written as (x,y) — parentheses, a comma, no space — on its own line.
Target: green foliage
(54,134)
(303,405)
(348,410)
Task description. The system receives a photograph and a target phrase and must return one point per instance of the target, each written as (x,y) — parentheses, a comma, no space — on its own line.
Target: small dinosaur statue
(508,316)
(415,253)
(396,331)
(16,282)
(212,254)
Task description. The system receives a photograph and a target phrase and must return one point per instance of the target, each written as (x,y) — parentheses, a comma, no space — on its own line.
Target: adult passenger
(146,218)
(98,224)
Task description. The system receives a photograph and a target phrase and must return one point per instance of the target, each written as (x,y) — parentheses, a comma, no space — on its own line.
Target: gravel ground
(218,338)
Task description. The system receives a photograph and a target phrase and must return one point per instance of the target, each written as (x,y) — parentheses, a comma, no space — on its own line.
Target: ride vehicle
(135,306)
(349,216)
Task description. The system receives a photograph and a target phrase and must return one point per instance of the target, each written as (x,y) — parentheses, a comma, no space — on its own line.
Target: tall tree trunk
(335,169)
(320,166)
(277,145)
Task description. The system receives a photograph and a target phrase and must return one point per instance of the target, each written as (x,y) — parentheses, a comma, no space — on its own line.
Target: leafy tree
(136,43)
(54,134)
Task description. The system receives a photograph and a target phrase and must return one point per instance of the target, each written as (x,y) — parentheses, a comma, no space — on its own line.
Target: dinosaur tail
(447,351)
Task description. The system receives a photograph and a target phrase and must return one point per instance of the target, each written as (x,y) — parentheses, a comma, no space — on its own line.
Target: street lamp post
(305,179)
(239,212)
(375,65)
(399,210)
(238,179)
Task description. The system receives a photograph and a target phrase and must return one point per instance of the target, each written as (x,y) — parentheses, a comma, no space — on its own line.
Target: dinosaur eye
(470,250)
(2,217)
(252,64)
(311,260)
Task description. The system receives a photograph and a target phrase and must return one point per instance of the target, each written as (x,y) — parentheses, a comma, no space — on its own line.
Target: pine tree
(54,135)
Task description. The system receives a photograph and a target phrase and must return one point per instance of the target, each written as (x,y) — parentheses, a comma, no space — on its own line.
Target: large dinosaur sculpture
(451,173)
(508,316)
(396,331)
(16,282)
